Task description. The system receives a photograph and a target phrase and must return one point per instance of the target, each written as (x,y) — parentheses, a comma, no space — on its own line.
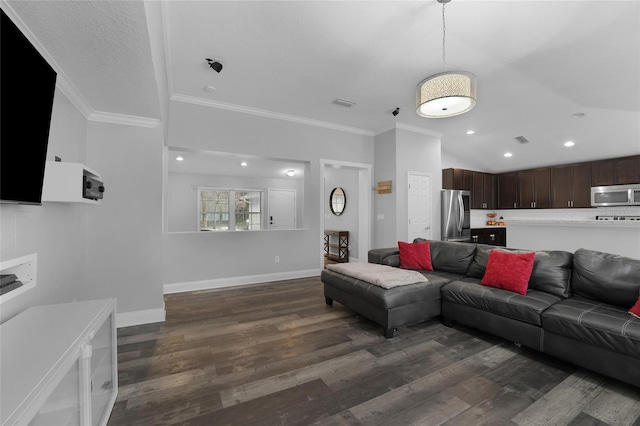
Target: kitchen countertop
(565,222)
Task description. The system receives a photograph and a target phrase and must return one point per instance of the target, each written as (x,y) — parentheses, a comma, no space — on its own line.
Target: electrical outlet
(277,259)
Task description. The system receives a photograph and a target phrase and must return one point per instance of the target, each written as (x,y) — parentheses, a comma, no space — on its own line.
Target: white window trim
(232,216)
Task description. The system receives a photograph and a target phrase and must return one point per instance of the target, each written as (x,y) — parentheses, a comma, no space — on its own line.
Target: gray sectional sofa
(575,308)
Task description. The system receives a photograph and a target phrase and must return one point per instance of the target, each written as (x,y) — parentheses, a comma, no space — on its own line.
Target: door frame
(365,208)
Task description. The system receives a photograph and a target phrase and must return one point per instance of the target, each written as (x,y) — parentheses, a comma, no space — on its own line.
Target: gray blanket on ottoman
(381,275)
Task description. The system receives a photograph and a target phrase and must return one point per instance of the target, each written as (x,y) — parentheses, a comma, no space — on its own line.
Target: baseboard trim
(235,281)
(147,316)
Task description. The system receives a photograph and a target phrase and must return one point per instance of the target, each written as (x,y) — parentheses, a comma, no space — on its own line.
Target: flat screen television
(27,86)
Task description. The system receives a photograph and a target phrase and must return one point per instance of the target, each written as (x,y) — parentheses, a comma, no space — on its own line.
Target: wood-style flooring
(275,354)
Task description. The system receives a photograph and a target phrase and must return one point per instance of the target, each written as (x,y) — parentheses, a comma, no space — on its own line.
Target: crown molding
(414,129)
(269,114)
(127,120)
(74,96)
(166,33)
(64,84)
(420,130)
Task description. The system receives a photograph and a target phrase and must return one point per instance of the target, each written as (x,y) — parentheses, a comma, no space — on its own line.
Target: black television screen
(27,86)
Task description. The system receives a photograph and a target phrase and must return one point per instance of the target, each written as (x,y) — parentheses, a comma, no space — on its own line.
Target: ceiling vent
(522,139)
(344,103)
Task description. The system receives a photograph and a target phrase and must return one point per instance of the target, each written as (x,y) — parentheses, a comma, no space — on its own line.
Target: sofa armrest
(385,256)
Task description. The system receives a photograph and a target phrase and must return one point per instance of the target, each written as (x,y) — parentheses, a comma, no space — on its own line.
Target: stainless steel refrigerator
(456,212)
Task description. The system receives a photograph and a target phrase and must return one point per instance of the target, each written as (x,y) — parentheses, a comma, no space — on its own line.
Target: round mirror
(337,201)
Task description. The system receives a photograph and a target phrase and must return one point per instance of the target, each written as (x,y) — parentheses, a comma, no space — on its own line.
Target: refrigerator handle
(461,218)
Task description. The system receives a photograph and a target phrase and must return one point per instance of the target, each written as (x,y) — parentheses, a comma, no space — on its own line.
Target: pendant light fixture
(448,93)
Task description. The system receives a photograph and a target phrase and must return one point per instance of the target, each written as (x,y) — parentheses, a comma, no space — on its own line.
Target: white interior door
(282,209)
(419,206)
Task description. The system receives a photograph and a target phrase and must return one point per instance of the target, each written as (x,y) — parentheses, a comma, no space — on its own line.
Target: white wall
(384,217)
(225,256)
(398,152)
(450,160)
(55,231)
(417,152)
(124,233)
(348,180)
(182,195)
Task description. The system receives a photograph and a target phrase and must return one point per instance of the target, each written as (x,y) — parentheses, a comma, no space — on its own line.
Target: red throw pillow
(509,271)
(415,255)
(635,311)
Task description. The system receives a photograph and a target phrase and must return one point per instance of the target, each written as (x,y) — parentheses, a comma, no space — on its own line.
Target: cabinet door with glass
(63,371)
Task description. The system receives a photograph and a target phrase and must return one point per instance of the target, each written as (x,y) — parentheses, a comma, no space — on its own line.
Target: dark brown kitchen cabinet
(457,179)
(481,185)
(492,236)
(489,190)
(628,170)
(483,190)
(507,190)
(463,180)
(447,179)
(571,186)
(534,188)
(603,173)
(616,171)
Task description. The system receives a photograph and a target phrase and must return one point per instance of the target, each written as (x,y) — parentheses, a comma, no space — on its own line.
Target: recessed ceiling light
(569,144)
(243,164)
(291,172)
(577,115)
(179,158)
(209,89)
(508,154)
(470,132)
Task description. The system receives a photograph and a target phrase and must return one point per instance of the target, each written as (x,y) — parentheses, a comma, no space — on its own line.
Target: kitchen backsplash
(479,217)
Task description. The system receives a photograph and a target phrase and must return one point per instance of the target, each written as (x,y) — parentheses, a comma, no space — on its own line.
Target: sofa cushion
(527,308)
(386,298)
(596,323)
(551,269)
(509,271)
(385,256)
(415,256)
(605,277)
(450,256)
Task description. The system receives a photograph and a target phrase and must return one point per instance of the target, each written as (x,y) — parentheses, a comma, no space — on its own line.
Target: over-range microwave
(615,195)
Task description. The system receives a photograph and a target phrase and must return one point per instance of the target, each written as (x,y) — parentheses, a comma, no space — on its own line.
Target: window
(230,209)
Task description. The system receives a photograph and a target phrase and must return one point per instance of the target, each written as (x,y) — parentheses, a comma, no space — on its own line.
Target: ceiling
(537,63)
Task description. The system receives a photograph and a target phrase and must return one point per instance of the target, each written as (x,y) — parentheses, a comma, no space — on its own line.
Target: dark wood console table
(336,245)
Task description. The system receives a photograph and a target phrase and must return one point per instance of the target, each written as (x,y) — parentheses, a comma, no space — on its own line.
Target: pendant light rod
(444,35)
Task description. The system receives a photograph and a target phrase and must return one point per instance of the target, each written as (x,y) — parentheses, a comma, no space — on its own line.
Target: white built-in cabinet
(64,182)
(59,365)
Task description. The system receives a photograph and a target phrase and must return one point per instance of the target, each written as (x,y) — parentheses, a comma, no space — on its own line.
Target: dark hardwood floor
(275,354)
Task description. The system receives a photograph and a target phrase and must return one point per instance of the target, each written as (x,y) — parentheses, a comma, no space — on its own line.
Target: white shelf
(63,182)
(25,268)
